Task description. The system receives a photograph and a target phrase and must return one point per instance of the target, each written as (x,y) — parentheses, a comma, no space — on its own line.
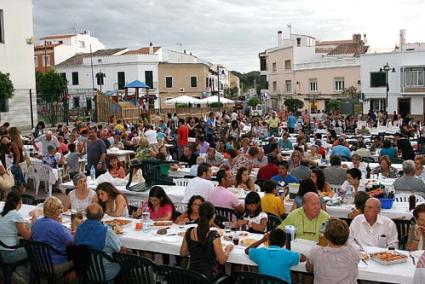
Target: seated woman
(244,180)
(204,245)
(338,261)
(254,217)
(117,142)
(385,168)
(113,202)
(306,185)
(419,165)
(354,179)
(388,150)
(318,178)
(12,225)
(115,168)
(416,237)
(144,151)
(359,201)
(191,215)
(81,196)
(295,160)
(50,230)
(160,206)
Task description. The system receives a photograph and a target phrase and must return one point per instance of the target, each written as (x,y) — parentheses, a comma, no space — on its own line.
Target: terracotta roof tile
(143,50)
(57,36)
(78,58)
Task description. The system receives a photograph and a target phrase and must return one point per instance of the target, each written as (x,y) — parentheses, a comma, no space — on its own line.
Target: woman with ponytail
(12,224)
(203,245)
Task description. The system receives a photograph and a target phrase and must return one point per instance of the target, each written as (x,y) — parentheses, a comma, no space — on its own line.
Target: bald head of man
(94,212)
(311,205)
(372,209)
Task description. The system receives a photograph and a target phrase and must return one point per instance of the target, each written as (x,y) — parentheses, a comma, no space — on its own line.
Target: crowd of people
(236,151)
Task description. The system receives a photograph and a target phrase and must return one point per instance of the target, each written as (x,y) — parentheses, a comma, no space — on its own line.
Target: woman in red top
(160,206)
(114,167)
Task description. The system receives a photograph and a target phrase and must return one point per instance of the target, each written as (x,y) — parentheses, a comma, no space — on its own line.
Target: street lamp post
(386,68)
(218,85)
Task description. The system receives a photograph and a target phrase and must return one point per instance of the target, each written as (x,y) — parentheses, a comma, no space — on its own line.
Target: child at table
(254,218)
(274,260)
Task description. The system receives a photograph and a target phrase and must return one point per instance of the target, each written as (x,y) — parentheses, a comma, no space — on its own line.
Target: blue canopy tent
(136,84)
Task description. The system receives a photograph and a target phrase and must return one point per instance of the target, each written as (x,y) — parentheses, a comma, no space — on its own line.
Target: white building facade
(406,82)
(17,59)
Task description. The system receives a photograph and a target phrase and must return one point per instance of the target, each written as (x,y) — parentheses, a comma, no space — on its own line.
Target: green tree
(51,87)
(351,92)
(293,104)
(6,90)
(254,101)
(333,105)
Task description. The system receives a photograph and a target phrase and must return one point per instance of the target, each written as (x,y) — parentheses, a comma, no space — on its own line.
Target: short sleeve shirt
(8,231)
(222,197)
(162,211)
(275,261)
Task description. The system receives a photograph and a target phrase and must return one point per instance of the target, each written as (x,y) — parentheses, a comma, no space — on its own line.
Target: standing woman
(16,149)
(204,245)
(113,202)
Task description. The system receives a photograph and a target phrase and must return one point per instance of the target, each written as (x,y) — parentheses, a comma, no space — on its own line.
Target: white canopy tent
(183,100)
(214,99)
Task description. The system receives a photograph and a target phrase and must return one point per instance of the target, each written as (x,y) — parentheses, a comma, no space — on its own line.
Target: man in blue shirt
(340,149)
(95,235)
(283,174)
(274,260)
(291,123)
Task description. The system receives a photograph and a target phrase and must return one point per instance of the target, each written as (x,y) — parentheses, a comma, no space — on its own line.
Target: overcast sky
(229,32)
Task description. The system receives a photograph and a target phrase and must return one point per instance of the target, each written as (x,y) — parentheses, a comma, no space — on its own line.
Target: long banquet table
(150,241)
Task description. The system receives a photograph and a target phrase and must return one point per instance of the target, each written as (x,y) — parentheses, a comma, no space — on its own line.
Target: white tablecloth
(150,241)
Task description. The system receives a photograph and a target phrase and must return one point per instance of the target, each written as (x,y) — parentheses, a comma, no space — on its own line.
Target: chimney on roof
(279,39)
(357,37)
(184,51)
(402,39)
(150,48)
(364,39)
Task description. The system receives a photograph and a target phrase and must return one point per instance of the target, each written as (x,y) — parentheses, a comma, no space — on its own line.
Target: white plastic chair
(335,187)
(181,181)
(404,197)
(43,173)
(180,207)
(30,174)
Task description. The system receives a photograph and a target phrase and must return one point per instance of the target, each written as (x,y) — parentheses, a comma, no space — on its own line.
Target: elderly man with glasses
(307,219)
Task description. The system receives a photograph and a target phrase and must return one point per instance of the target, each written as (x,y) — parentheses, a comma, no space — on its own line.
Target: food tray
(401,257)
(162,223)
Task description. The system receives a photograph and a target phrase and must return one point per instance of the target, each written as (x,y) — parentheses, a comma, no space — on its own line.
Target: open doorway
(404,106)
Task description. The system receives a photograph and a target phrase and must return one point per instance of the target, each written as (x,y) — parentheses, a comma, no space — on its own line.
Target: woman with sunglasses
(191,216)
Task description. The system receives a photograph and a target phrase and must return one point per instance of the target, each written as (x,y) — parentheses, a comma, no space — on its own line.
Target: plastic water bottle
(146,218)
(92,173)
(349,199)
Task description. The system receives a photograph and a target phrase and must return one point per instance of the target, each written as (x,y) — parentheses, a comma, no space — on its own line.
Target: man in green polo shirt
(307,219)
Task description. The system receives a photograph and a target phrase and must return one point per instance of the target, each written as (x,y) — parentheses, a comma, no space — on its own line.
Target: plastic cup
(138,226)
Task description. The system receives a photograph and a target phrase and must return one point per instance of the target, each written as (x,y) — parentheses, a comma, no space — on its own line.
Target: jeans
(13,256)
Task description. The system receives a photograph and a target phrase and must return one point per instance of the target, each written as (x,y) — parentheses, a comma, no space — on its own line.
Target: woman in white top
(11,225)
(113,202)
(419,166)
(81,196)
(416,238)
(254,218)
(354,180)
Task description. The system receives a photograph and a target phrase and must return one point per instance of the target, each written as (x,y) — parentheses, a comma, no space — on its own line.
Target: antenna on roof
(74,28)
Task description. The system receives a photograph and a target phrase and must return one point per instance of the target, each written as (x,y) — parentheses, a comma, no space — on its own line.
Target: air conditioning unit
(181,90)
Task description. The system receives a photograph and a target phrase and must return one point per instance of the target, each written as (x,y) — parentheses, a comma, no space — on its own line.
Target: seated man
(220,196)
(341,149)
(334,174)
(188,156)
(368,228)
(214,158)
(201,184)
(283,175)
(307,219)
(409,182)
(95,235)
(268,171)
(261,160)
(302,171)
(274,260)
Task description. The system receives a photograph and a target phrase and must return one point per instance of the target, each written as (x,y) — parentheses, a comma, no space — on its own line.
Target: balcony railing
(328,64)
